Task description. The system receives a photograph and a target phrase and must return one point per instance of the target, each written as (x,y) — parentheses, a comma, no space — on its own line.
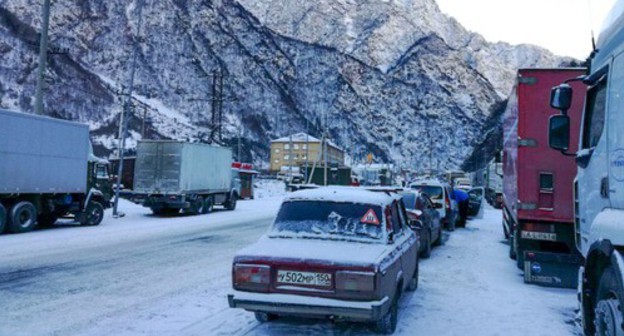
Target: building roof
(302,137)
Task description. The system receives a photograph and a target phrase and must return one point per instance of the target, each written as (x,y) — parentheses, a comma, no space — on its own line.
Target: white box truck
(599,183)
(170,176)
(47,171)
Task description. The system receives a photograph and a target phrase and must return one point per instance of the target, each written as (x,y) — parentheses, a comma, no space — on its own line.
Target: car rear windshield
(329,220)
(432,191)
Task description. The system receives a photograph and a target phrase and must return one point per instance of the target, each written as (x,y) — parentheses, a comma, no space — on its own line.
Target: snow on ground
(147,275)
(269,188)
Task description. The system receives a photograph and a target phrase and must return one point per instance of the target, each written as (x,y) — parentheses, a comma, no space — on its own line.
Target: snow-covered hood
(314,251)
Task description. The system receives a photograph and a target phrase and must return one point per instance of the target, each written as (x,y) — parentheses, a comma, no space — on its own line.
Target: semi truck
(538,215)
(599,184)
(173,176)
(48,171)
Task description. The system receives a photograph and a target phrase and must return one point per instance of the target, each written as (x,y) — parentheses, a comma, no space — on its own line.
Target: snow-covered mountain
(390,77)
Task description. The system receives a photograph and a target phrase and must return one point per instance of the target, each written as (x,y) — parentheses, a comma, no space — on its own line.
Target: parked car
(440,193)
(334,252)
(424,219)
(475,202)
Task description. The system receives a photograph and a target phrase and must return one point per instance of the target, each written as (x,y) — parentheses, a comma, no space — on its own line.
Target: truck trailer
(538,212)
(170,176)
(48,171)
(599,184)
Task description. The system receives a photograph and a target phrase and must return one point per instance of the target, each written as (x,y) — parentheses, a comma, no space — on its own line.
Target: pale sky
(561,26)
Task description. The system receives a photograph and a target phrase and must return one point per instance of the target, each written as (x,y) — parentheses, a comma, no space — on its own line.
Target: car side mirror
(561,97)
(559,132)
(438,206)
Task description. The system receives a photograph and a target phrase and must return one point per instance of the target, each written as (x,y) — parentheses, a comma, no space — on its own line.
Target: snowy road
(144,275)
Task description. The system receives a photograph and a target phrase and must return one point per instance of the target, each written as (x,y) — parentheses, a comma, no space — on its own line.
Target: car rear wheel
(413,284)
(263,317)
(387,324)
(22,218)
(426,253)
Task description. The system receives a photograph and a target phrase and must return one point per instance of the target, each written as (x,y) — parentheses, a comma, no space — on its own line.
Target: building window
(287,146)
(286,157)
(277,150)
(304,146)
(296,146)
(276,161)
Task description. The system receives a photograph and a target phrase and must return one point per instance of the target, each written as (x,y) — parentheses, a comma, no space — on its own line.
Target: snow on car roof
(427,182)
(341,194)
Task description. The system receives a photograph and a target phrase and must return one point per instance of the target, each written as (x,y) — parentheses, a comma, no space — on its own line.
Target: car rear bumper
(297,305)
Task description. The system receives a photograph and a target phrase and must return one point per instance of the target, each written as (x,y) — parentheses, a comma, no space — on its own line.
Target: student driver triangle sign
(370,218)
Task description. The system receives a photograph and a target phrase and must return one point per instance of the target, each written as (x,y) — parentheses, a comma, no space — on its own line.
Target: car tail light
(350,281)
(535,227)
(254,277)
(447,203)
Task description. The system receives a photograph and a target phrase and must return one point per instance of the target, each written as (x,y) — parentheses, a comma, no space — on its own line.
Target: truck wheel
(387,324)
(94,214)
(197,208)
(512,252)
(231,202)
(208,204)
(427,252)
(3,218)
(22,218)
(264,317)
(608,314)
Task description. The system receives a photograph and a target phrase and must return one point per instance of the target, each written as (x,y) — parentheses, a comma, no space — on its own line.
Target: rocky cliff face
(395,78)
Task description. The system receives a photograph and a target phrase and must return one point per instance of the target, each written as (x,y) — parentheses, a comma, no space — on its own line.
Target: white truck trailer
(170,176)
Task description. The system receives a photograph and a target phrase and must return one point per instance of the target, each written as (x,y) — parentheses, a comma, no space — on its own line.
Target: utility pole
(126,106)
(43,57)
(238,155)
(307,148)
(143,122)
(290,157)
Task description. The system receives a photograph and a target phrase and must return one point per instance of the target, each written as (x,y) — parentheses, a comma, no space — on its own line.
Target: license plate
(304,278)
(539,235)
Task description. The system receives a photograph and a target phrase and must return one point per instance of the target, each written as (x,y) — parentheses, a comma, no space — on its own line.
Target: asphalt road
(73,280)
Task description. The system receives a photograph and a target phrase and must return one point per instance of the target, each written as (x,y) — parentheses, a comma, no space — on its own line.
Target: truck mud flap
(551,269)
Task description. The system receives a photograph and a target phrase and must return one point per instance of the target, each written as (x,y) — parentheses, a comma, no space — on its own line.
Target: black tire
(427,252)
(93,215)
(608,316)
(47,220)
(3,218)
(231,202)
(23,217)
(439,240)
(264,317)
(413,284)
(512,252)
(208,204)
(387,324)
(197,207)
(519,252)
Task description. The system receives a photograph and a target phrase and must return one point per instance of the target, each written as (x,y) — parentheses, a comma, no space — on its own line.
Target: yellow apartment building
(304,148)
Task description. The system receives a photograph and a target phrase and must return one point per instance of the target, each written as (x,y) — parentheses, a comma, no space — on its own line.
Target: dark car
(342,253)
(424,219)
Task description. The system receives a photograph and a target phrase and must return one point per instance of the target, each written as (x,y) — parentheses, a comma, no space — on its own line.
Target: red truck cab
(538,201)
